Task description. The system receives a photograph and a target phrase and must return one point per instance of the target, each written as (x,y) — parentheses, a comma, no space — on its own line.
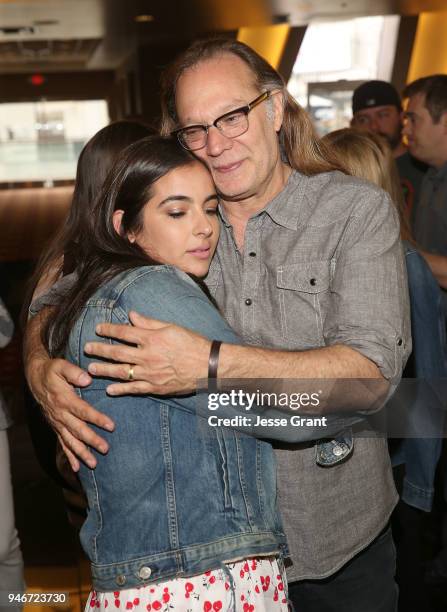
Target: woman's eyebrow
(174,198)
(213,196)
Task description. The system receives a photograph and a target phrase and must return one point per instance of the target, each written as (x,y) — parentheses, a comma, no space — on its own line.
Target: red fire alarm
(37,79)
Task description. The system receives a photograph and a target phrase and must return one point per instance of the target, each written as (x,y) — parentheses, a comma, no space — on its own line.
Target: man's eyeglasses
(231,124)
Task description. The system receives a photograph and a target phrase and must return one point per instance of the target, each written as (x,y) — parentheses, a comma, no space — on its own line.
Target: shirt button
(120,580)
(248,302)
(145,573)
(313,281)
(399,342)
(252,254)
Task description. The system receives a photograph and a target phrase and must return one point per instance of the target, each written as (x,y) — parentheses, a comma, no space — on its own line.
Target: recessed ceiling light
(144,18)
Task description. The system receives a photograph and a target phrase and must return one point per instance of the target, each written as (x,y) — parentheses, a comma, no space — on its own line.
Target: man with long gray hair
(309,265)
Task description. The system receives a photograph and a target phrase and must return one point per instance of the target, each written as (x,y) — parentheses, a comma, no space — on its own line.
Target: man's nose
(373,125)
(217,142)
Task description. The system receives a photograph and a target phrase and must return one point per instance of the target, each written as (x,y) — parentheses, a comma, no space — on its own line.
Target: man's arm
(170,359)
(51,382)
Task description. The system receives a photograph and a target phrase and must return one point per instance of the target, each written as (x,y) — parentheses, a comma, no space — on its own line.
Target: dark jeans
(364,584)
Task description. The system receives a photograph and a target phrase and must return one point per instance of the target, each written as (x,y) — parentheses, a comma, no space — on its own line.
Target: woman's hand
(165,358)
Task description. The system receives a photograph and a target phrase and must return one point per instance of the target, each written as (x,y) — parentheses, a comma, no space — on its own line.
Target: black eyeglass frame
(242,109)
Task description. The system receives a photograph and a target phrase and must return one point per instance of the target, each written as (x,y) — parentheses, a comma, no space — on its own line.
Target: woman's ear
(117,224)
(117,221)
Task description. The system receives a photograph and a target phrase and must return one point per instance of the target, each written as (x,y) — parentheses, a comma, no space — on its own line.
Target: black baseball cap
(375,93)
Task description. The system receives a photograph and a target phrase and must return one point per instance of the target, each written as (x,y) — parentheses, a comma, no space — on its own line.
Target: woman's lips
(201,253)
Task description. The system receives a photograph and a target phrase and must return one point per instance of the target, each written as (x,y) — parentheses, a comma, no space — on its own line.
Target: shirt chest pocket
(304,295)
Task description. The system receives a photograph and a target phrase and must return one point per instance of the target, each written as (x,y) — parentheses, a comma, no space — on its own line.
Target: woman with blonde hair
(369,156)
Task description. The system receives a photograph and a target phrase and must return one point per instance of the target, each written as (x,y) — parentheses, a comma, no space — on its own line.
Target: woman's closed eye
(176,214)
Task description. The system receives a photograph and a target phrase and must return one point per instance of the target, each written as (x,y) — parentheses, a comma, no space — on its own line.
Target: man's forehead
(417,100)
(214,87)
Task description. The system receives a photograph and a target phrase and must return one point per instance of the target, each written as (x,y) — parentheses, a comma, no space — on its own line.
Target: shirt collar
(437,174)
(284,208)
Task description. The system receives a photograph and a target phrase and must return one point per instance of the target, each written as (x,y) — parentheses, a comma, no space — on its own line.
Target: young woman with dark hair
(181,515)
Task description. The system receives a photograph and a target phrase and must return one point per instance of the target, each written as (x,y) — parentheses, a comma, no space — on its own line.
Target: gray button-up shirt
(321,265)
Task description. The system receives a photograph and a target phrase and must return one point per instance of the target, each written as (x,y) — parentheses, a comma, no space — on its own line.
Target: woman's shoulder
(150,286)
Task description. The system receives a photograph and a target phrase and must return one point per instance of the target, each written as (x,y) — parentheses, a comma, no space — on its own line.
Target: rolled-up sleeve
(369,292)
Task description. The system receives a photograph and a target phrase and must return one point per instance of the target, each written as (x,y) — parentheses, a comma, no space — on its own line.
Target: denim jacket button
(145,573)
(120,580)
(338,450)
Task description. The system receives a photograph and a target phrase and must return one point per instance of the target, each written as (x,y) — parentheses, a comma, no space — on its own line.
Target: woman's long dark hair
(94,163)
(105,253)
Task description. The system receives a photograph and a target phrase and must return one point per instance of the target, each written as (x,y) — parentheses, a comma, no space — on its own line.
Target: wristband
(213,360)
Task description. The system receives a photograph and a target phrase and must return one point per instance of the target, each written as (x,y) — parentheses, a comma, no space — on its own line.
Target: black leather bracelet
(213,360)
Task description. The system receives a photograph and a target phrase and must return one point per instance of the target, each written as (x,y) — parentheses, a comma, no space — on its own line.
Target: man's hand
(51,382)
(165,358)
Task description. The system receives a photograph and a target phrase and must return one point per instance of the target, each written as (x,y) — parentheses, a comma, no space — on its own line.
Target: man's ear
(444,121)
(117,224)
(278,108)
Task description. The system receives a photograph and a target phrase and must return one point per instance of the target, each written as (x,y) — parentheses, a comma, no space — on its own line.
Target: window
(337,56)
(41,141)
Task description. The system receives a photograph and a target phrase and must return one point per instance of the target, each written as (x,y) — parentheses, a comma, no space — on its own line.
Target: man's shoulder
(333,194)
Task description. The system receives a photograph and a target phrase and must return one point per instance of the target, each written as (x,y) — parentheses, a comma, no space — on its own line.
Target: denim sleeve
(370,305)
(171,296)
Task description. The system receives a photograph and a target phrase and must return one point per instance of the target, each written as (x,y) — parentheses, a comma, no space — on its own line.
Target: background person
(426,130)
(11,562)
(377,108)
(368,156)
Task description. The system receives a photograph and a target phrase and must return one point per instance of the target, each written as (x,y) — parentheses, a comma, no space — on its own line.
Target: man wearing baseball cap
(376,107)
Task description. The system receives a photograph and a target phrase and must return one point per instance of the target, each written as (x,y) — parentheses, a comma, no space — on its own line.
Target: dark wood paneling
(405,40)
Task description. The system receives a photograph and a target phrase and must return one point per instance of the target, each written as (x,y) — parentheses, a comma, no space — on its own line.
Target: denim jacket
(424,399)
(171,497)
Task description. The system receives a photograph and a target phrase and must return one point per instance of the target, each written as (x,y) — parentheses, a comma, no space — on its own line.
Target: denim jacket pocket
(335,451)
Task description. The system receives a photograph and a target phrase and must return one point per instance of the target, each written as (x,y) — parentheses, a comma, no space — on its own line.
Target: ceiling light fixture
(144,18)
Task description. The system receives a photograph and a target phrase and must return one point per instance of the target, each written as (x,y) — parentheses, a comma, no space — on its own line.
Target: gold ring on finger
(130,373)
